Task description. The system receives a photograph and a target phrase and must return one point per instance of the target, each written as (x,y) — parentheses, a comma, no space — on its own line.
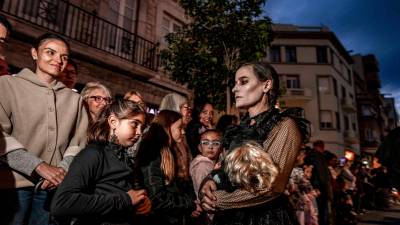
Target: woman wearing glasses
(96,97)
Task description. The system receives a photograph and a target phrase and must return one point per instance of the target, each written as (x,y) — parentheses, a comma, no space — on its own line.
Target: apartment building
(376,114)
(391,112)
(116,42)
(316,75)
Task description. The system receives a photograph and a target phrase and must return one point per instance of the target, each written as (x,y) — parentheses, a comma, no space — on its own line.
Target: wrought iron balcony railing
(62,17)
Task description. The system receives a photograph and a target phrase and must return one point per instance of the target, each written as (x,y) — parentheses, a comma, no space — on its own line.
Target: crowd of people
(326,189)
(88,158)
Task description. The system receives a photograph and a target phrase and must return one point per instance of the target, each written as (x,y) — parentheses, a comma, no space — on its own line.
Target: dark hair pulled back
(47,36)
(264,71)
(122,109)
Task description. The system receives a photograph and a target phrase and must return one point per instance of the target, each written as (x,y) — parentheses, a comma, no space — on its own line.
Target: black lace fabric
(281,135)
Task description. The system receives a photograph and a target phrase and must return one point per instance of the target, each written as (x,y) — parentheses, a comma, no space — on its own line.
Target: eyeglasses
(187,107)
(211,143)
(100,99)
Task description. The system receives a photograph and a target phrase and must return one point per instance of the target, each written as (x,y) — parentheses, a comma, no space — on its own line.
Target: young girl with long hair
(99,188)
(172,203)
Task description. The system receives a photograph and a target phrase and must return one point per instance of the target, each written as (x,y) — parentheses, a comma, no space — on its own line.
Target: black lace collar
(259,129)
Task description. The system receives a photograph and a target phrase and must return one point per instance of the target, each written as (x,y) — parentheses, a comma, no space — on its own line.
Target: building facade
(376,114)
(316,75)
(116,42)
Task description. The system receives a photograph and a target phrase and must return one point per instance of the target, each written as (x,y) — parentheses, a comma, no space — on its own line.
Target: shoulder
(92,152)
(286,124)
(6,80)
(285,133)
(72,95)
(198,160)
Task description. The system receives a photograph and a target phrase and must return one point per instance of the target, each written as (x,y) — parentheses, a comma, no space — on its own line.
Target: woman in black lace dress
(280,133)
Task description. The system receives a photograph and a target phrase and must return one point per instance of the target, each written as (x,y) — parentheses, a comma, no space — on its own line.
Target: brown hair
(159,132)
(122,109)
(47,36)
(319,143)
(133,92)
(218,132)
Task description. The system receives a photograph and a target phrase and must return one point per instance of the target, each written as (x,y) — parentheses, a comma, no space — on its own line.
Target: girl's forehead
(138,116)
(211,135)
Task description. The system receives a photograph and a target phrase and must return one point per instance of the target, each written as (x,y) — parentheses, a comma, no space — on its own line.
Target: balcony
(348,105)
(351,137)
(296,97)
(62,17)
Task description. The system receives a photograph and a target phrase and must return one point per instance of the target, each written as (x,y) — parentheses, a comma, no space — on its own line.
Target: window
(322,54)
(276,54)
(349,74)
(46,12)
(292,81)
(338,121)
(370,135)
(346,122)
(343,93)
(353,120)
(123,14)
(324,85)
(169,25)
(291,54)
(335,86)
(326,119)
(367,111)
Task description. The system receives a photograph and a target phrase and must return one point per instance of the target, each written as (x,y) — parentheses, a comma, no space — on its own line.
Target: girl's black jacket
(94,189)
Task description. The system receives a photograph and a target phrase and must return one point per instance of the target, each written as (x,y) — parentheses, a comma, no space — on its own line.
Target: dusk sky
(363,26)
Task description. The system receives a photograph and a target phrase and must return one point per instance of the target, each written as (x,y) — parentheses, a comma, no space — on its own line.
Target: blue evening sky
(364,26)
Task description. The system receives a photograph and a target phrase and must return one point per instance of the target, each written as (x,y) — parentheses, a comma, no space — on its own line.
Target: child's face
(129,130)
(308,172)
(177,131)
(210,145)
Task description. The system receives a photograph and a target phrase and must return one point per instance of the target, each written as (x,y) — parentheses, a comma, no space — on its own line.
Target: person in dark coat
(389,156)
(321,180)
(100,185)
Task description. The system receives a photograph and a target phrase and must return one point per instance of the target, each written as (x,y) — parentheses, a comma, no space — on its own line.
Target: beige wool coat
(49,121)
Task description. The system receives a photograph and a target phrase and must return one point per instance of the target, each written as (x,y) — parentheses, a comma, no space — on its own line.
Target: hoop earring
(113,137)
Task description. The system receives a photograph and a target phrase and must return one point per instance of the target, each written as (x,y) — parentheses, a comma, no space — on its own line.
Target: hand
(144,208)
(54,175)
(217,165)
(136,196)
(208,199)
(197,212)
(208,125)
(47,185)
